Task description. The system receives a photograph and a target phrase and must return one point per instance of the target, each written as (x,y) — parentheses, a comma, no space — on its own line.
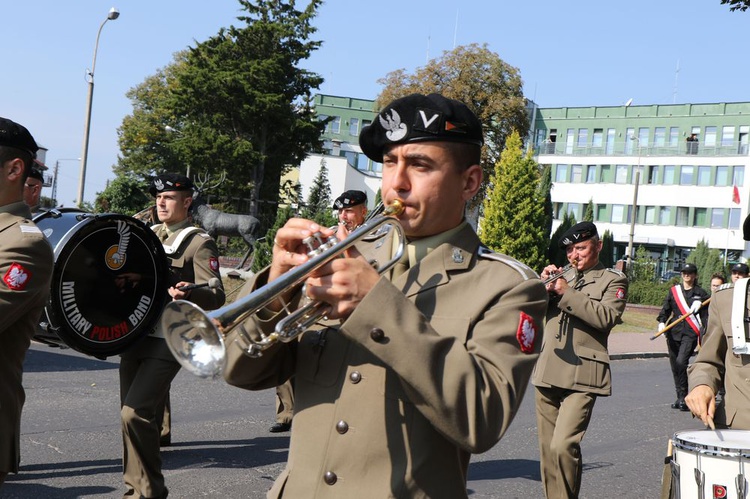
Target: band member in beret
(723,361)
(683,337)
(32,189)
(411,373)
(26,264)
(352,208)
(147,369)
(573,368)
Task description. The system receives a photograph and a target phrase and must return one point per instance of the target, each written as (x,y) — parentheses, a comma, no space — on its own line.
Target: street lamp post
(111,15)
(635,204)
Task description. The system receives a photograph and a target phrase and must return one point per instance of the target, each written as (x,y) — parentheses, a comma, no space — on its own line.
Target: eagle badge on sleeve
(213,263)
(17,277)
(526,334)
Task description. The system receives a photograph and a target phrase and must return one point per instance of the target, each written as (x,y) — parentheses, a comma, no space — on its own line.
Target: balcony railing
(631,149)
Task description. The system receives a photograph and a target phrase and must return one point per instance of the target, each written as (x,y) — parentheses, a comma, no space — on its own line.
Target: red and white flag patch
(620,293)
(17,277)
(213,263)
(526,334)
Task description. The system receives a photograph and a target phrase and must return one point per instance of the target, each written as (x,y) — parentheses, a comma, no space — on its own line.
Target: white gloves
(660,327)
(695,306)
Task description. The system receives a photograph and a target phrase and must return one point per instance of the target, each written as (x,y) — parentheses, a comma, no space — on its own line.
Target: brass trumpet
(196,338)
(561,272)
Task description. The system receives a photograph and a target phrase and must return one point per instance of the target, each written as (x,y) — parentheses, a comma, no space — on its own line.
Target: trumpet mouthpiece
(394,209)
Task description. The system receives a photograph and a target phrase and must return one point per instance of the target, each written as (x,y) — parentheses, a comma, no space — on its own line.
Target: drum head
(109,282)
(719,442)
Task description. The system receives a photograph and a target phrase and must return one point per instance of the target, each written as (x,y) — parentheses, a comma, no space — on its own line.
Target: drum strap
(171,249)
(739,324)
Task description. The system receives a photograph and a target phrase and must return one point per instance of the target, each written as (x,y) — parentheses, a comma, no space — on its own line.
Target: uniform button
(330,477)
(377,334)
(342,427)
(355,377)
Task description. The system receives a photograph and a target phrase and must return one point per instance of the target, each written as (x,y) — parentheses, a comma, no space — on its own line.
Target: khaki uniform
(285,402)
(573,369)
(427,370)
(147,369)
(24,253)
(717,366)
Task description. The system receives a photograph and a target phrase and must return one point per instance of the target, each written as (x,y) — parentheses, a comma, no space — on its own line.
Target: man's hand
(695,306)
(701,402)
(558,286)
(342,283)
(288,248)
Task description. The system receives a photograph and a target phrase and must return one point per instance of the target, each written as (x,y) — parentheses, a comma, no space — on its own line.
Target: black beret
(170,182)
(689,268)
(420,118)
(741,268)
(349,199)
(579,232)
(14,135)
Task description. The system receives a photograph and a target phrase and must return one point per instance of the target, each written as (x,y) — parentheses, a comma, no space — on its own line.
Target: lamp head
(113,14)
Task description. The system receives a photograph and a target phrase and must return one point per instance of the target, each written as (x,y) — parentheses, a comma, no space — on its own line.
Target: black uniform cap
(741,268)
(579,232)
(349,199)
(689,268)
(170,182)
(36,173)
(420,118)
(14,135)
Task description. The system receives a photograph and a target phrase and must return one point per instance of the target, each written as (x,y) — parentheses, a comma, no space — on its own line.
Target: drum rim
(711,449)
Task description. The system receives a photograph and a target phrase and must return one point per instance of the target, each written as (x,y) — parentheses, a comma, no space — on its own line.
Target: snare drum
(109,284)
(710,464)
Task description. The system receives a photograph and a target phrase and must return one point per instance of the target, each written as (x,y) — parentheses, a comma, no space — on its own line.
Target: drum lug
(700,478)
(676,494)
(739,482)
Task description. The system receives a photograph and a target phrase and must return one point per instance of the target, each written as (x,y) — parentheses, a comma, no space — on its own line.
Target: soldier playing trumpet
(352,207)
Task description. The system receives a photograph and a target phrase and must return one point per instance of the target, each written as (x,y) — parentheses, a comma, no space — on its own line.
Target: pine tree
(545,192)
(555,254)
(319,204)
(607,255)
(588,214)
(513,221)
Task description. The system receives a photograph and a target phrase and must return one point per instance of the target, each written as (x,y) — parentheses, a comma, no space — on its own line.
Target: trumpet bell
(200,348)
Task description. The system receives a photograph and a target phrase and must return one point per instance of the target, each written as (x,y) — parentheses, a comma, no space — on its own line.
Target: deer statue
(218,223)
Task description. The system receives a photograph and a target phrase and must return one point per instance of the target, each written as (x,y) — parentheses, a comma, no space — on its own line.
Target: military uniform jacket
(26,263)
(671,312)
(716,364)
(574,352)
(195,260)
(427,370)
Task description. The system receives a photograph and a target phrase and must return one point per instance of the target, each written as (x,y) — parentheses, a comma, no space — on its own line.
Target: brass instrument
(196,338)
(561,272)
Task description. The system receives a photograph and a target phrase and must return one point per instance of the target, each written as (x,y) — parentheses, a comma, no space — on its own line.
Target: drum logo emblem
(116,254)
(720,491)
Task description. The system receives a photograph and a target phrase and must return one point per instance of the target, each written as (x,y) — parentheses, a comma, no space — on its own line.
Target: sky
(577,53)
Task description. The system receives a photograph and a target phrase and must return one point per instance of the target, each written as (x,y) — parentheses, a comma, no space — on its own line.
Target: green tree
(319,204)
(588,214)
(477,77)
(741,5)
(126,194)
(607,255)
(239,102)
(264,246)
(643,268)
(707,261)
(513,210)
(555,254)
(545,193)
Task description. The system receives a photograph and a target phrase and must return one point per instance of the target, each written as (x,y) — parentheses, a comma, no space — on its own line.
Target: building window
(650,216)
(569,141)
(665,213)
(653,174)
(734,218)
(354,127)
(556,207)
(629,132)
(682,216)
(704,175)
(583,137)
(336,124)
(674,134)
(363,162)
(561,175)
(576,174)
(660,136)
(605,175)
(668,175)
(601,212)
(621,174)
(739,176)
(618,214)
(351,157)
(598,138)
(717,217)
(591,174)
(686,175)
(642,138)
(710,140)
(722,176)
(575,210)
(323,117)
(610,149)
(700,217)
(727,136)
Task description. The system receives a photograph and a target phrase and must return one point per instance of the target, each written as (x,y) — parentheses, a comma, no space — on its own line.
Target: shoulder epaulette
(726,285)
(618,272)
(525,272)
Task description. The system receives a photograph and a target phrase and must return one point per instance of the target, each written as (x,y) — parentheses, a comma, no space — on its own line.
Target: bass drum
(109,284)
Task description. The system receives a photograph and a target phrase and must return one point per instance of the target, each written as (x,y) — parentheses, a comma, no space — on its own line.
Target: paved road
(71,443)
